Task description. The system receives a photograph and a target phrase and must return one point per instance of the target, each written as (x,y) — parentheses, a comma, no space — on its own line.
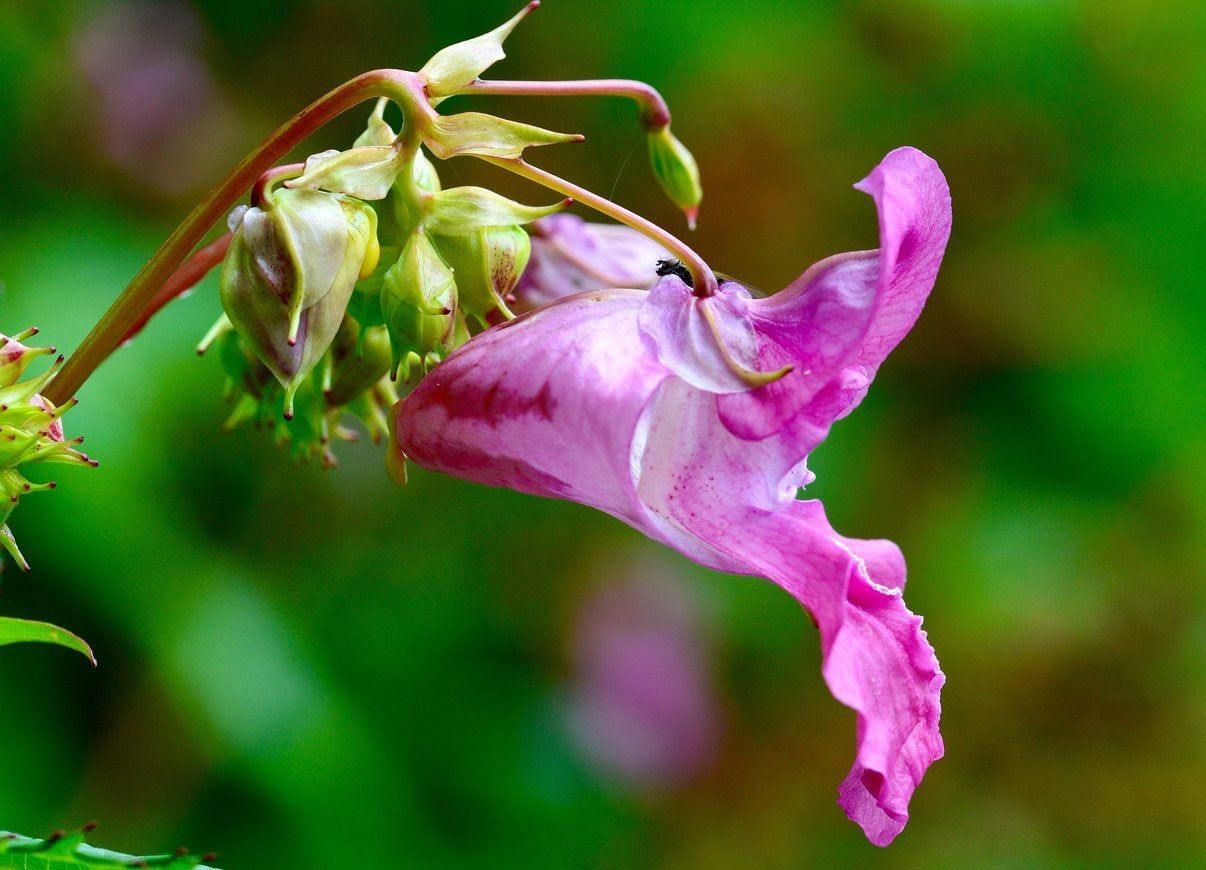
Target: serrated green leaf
(64,852)
(487,136)
(30,631)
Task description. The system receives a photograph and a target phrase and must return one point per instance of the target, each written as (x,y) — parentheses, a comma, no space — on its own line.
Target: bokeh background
(318,670)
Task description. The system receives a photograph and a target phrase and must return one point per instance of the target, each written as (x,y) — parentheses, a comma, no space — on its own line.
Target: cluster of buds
(31,430)
(360,269)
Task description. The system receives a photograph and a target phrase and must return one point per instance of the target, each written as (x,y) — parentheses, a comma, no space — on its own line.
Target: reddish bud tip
(692,216)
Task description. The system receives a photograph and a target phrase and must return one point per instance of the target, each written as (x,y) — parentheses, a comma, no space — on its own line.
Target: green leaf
(64,851)
(28,631)
(451,68)
(487,136)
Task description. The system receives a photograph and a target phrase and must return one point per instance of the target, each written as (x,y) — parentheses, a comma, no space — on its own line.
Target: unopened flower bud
(31,431)
(676,171)
(419,301)
(289,273)
(488,263)
(15,356)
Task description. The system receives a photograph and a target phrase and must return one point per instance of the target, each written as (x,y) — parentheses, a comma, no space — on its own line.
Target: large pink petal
(838,321)
(547,404)
(876,657)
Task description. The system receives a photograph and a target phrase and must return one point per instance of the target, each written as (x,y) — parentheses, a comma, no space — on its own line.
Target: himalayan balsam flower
(692,420)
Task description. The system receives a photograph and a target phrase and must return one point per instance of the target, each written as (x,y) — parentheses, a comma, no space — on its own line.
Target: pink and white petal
(708,342)
(839,320)
(546,404)
(876,657)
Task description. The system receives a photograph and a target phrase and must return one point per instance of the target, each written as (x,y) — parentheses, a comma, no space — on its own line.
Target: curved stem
(655,114)
(183,279)
(262,189)
(703,280)
(129,306)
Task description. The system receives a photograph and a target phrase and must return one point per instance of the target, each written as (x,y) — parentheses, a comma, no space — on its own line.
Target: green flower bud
(31,432)
(488,263)
(289,274)
(419,301)
(676,171)
(15,356)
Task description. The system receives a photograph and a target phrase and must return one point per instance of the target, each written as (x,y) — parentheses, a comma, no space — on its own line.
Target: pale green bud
(488,264)
(676,171)
(419,301)
(289,273)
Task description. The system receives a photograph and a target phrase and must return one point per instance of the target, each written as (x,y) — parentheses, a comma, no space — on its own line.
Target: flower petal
(839,320)
(547,404)
(708,342)
(876,657)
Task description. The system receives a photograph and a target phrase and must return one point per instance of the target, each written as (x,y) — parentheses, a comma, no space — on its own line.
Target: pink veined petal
(547,404)
(839,320)
(876,657)
(710,342)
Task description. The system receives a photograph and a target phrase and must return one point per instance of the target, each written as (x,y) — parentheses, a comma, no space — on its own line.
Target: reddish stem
(183,279)
(655,114)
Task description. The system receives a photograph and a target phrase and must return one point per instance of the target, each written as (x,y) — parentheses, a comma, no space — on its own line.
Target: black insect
(674,267)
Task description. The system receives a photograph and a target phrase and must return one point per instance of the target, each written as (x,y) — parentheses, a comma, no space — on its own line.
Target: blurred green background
(318,670)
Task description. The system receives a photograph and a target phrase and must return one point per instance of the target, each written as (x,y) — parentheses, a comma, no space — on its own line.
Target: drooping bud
(31,431)
(676,171)
(289,273)
(451,68)
(419,301)
(488,263)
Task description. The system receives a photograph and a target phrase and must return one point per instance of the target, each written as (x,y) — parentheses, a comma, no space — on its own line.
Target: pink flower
(570,255)
(692,419)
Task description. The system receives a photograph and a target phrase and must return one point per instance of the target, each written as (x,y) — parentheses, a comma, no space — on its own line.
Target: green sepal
(462,210)
(367,172)
(487,136)
(451,68)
